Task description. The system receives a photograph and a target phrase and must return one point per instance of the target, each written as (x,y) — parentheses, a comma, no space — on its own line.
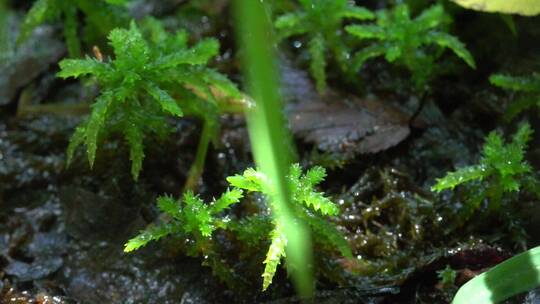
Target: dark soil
(62,229)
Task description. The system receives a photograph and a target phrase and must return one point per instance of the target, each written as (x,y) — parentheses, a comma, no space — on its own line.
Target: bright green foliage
(102,15)
(322,22)
(146,82)
(511,277)
(190,217)
(409,42)
(309,204)
(276,251)
(193,219)
(502,169)
(529,87)
(447,276)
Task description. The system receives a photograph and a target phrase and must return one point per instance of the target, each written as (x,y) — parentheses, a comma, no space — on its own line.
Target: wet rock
(532,297)
(373,295)
(94,217)
(32,152)
(31,59)
(144,277)
(47,244)
(33,271)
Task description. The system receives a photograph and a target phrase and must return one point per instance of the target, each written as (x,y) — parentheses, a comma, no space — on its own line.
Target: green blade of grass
(268,134)
(511,277)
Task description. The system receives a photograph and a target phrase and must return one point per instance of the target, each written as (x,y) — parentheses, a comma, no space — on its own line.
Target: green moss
(501,170)
(321,21)
(409,41)
(102,15)
(196,220)
(147,82)
(527,87)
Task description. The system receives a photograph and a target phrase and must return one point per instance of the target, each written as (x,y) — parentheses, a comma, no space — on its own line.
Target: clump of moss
(148,81)
(415,43)
(100,15)
(322,22)
(197,221)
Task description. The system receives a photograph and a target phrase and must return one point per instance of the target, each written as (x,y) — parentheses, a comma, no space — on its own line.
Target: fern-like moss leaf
(451,42)
(152,233)
(230,197)
(333,237)
(76,68)
(170,206)
(251,180)
(369,52)
(197,215)
(199,54)
(463,175)
(76,140)
(135,138)
(70,31)
(318,61)
(35,16)
(516,83)
(168,104)
(276,251)
(431,18)
(95,124)
(315,175)
(358,13)
(366,31)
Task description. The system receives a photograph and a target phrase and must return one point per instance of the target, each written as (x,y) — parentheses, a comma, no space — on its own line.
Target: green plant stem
(197,167)
(269,137)
(511,277)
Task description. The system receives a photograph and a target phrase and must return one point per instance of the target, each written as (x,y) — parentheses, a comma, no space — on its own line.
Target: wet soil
(62,229)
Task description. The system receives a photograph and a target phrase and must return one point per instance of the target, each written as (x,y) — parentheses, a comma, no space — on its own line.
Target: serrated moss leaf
(321,21)
(135,138)
(359,13)
(318,62)
(199,54)
(97,14)
(516,83)
(451,42)
(196,221)
(231,196)
(152,233)
(170,206)
(142,85)
(167,103)
(276,251)
(333,237)
(35,16)
(502,169)
(463,175)
(94,124)
(405,41)
(75,141)
(76,68)
(197,215)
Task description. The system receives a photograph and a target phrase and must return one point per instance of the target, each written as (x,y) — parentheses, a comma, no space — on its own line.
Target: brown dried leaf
(350,125)
(337,123)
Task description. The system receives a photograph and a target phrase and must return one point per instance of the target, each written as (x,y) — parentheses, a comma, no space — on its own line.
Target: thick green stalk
(511,277)
(270,139)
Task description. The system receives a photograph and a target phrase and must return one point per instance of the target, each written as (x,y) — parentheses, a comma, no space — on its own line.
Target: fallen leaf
(339,123)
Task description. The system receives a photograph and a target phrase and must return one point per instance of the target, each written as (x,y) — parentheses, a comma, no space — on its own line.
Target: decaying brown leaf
(338,123)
